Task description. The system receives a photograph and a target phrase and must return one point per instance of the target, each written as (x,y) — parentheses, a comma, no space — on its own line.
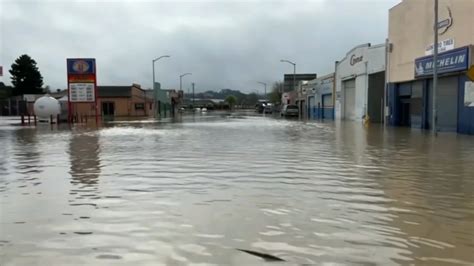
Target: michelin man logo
(420,70)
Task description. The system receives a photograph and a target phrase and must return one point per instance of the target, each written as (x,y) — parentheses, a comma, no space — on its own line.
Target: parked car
(290,110)
(260,107)
(268,109)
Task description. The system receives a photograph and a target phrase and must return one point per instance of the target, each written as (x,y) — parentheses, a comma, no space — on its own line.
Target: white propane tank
(47,106)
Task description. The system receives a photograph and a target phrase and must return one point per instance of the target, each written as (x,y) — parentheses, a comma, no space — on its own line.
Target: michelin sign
(452,61)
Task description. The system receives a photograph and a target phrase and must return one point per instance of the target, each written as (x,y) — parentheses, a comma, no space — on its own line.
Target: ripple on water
(174,192)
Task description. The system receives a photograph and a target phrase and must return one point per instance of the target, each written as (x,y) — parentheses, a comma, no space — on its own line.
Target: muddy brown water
(194,190)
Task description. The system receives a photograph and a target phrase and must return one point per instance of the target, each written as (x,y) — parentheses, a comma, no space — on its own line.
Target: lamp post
(193,93)
(153,66)
(153,85)
(265,86)
(181,79)
(294,71)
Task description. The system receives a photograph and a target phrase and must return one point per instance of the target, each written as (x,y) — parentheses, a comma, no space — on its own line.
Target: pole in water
(435,69)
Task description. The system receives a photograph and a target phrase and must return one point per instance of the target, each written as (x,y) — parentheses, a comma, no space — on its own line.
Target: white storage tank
(47,106)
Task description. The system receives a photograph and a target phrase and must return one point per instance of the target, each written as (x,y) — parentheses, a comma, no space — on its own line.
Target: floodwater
(194,190)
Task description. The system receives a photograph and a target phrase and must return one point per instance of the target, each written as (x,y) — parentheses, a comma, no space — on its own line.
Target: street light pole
(294,72)
(193,93)
(153,66)
(265,87)
(181,80)
(153,85)
(435,69)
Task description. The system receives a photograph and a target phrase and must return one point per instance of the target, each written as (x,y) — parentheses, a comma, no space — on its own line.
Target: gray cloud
(225,44)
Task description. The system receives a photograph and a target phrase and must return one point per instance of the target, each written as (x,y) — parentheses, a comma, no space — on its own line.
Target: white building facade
(360,84)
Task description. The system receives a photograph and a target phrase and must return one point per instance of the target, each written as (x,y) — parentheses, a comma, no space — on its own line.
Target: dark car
(260,107)
(268,109)
(290,110)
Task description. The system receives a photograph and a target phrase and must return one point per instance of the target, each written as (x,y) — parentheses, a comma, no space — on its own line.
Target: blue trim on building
(398,93)
(322,113)
(465,114)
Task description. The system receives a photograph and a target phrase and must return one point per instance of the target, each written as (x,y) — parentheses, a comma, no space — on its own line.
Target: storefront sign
(443,46)
(81,77)
(469,94)
(451,61)
(81,66)
(81,92)
(356,59)
(445,24)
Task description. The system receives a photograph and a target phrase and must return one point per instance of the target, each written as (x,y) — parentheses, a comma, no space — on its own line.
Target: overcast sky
(225,44)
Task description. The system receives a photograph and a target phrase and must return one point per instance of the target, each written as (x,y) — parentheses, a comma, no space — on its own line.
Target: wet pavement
(194,190)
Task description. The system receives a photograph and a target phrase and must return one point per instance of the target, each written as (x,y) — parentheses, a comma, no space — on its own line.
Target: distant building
(166,101)
(117,101)
(321,92)
(302,97)
(288,80)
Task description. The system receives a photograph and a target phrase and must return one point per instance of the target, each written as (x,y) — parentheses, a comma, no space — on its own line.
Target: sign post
(435,68)
(81,83)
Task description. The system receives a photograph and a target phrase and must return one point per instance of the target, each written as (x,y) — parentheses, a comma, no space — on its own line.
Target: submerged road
(200,188)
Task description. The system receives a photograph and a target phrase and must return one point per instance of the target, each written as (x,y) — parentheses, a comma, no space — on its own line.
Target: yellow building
(410,64)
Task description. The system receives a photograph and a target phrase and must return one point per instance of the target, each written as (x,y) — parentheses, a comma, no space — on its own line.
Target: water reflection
(84,154)
(26,152)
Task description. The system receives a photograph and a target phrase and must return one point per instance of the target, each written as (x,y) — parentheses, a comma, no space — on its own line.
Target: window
(139,106)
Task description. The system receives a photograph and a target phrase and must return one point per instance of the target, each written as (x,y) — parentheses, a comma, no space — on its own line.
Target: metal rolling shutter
(447,97)
(349,99)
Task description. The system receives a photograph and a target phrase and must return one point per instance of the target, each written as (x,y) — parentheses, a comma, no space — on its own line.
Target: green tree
(26,78)
(275,95)
(252,99)
(231,100)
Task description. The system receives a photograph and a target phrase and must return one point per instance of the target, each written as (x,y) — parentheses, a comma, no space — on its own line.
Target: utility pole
(294,77)
(265,88)
(155,92)
(181,80)
(435,69)
(193,93)
(294,72)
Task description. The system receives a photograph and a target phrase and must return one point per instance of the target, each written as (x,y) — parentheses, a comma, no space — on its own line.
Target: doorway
(108,108)
(349,99)
(327,106)
(405,120)
(375,96)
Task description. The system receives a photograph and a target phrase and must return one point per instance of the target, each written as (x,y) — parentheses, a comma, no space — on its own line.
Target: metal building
(360,83)
(321,97)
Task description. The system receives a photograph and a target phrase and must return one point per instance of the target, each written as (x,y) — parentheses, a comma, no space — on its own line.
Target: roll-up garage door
(448,104)
(349,99)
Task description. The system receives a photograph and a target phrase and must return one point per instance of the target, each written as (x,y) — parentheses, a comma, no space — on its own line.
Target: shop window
(139,106)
